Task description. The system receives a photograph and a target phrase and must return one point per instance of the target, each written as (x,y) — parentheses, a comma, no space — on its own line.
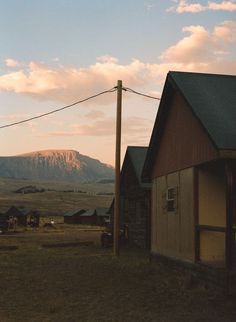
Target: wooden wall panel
(162,220)
(212,247)
(173,219)
(212,198)
(154,217)
(183,143)
(174,235)
(187,228)
(212,212)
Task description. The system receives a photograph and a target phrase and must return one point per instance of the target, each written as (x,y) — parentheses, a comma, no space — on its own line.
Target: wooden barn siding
(212,212)
(154,226)
(173,234)
(135,206)
(138,220)
(183,143)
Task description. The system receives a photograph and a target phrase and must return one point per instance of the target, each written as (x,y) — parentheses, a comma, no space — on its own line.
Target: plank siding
(135,206)
(184,143)
(173,233)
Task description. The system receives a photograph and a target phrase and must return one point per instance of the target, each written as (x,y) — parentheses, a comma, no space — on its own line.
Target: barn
(191,162)
(15,212)
(96,216)
(73,216)
(135,197)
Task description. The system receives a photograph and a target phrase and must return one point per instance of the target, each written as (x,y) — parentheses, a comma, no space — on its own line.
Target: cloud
(131,126)
(224,5)
(107,59)
(65,84)
(226,32)
(199,50)
(95,114)
(184,6)
(11,62)
(14,117)
(193,47)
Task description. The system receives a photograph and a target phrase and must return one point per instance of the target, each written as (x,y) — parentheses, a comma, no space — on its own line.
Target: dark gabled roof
(74,212)
(102,211)
(137,155)
(88,213)
(14,211)
(212,100)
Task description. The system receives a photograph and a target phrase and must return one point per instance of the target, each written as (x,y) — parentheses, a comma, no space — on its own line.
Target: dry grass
(87,283)
(55,202)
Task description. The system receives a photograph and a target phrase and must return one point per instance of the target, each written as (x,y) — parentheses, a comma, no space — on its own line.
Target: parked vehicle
(107,236)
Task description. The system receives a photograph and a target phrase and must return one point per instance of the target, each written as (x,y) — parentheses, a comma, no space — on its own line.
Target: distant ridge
(59,165)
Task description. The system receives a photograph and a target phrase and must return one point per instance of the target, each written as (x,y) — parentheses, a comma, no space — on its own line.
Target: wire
(141,94)
(78,102)
(59,109)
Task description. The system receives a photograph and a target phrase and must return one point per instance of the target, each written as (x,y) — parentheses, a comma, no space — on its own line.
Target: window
(169,200)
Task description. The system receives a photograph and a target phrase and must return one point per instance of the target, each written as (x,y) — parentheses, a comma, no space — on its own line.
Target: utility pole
(116,233)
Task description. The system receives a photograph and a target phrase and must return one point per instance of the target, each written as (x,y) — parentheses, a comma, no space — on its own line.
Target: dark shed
(135,197)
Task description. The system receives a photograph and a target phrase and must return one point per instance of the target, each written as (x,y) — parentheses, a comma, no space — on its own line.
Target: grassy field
(59,199)
(87,283)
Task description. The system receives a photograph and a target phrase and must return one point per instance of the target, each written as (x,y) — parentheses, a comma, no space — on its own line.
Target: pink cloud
(192,47)
(13,117)
(226,32)
(65,84)
(224,5)
(12,62)
(131,126)
(95,114)
(200,49)
(184,6)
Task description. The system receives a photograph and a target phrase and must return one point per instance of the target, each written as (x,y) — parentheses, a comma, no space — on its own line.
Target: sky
(56,52)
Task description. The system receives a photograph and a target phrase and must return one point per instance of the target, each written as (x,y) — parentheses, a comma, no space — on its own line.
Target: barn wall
(183,143)
(154,226)
(173,232)
(212,211)
(212,198)
(187,214)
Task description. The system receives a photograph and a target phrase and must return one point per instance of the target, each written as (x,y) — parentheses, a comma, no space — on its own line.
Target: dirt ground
(87,283)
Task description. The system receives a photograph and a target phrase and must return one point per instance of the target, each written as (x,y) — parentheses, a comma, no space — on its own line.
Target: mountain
(60,165)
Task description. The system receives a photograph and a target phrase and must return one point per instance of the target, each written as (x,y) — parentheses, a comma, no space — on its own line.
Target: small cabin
(191,162)
(14,212)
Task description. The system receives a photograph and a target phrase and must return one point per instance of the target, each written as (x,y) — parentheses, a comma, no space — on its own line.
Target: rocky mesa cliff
(61,165)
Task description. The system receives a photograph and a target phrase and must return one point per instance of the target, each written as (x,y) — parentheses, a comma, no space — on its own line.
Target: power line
(141,94)
(76,103)
(59,109)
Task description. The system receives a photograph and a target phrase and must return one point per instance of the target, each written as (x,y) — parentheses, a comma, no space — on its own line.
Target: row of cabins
(96,216)
(178,195)
(23,217)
